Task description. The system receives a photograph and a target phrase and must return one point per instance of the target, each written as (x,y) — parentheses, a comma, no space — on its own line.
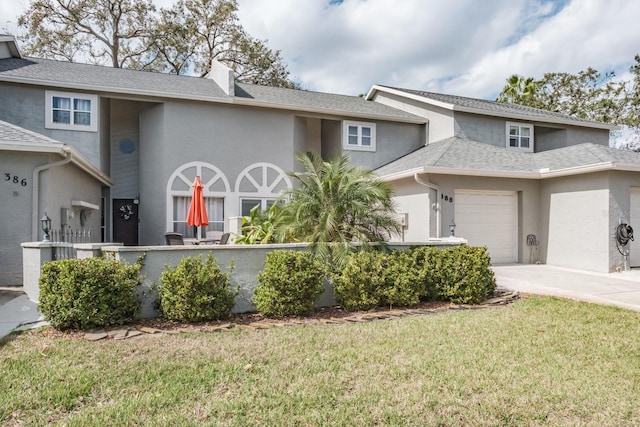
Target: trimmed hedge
(357,285)
(89,293)
(461,275)
(195,291)
(289,285)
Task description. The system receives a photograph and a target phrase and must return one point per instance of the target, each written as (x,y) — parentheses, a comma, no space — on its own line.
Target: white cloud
(9,12)
(458,46)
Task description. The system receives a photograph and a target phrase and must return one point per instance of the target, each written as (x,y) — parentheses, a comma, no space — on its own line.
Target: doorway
(125,222)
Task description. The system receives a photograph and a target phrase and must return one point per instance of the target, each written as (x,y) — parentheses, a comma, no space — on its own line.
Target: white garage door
(488,218)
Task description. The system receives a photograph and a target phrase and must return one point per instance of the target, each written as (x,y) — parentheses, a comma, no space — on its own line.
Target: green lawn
(539,361)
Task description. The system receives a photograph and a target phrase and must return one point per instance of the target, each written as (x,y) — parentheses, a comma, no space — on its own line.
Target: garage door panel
(488,218)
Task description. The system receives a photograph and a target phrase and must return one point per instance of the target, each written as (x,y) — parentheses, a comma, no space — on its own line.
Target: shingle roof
(319,100)
(15,134)
(107,79)
(497,108)
(14,138)
(116,80)
(460,154)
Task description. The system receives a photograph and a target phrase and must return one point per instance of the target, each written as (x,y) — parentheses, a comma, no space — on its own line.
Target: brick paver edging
(503,298)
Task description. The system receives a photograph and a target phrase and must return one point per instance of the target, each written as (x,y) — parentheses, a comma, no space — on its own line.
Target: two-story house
(150,134)
(531,185)
(116,151)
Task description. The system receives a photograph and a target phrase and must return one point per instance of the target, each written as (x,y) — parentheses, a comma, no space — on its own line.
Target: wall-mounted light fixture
(46,227)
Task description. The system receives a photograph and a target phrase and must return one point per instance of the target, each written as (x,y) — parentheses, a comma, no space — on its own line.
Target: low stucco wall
(248,261)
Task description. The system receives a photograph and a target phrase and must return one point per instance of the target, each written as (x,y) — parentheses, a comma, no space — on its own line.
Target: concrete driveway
(17,311)
(619,289)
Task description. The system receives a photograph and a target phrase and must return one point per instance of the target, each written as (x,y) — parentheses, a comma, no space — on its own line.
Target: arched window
(260,184)
(216,188)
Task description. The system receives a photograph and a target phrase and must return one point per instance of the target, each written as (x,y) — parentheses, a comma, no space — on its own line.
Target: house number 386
(15,179)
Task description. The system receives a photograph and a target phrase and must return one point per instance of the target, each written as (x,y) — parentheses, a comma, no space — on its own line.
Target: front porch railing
(64,239)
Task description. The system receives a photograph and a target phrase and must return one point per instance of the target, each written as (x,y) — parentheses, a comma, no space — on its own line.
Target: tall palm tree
(335,206)
(520,90)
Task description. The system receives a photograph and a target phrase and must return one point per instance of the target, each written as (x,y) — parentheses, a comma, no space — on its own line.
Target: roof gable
(488,108)
(9,47)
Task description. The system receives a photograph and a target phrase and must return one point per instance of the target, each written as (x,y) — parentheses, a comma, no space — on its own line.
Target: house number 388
(15,179)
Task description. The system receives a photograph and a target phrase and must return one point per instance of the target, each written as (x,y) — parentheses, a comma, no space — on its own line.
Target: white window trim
(263,202)
(262,189)
(49,123)
(178,175)
(521,125)
(359,147)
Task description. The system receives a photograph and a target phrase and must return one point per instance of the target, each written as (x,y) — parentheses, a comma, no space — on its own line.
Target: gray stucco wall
(15,225)
(621,184)
(493,130)
(547,138)
(490,130)
(57,188)
(25,106)
(124,149)
(577,135)
(393,140)
(152,207)
(576,225)
(229,138)
(441,121)
(314,135)
(299,138)
(528,209)
(61,185)
(331,131)
(416,201)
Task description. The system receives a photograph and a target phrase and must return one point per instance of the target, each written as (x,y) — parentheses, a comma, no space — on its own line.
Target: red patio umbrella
(197,216)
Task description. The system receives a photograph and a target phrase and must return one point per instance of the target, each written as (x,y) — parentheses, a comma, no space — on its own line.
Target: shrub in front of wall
(195,291)
(88,293)
(404,280)
(462,274)
(358,284)
(290,284)
(427,261)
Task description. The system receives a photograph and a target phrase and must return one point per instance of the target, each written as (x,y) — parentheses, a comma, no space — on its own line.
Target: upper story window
(520,135)
(71,111)
(359,136)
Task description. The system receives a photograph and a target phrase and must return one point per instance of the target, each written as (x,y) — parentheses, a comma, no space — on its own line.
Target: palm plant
(335,206)
(262,227)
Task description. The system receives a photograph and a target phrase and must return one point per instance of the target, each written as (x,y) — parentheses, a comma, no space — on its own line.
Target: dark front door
(125,222)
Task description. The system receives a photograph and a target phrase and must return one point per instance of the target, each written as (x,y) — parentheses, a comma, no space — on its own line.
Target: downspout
(432,186)
(35,212)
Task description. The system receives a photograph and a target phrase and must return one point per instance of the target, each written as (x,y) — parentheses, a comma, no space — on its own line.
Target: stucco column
(34,254)
(235,223)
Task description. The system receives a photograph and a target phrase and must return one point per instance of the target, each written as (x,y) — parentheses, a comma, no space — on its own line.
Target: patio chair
(213,237)
(224,239)
(173,239)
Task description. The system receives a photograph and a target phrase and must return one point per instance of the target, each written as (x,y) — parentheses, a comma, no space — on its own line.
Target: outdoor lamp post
(452,229)
(46,227)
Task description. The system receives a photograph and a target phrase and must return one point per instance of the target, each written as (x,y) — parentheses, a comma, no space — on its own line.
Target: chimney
(223,76)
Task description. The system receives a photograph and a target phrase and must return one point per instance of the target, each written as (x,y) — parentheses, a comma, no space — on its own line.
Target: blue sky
(463,47)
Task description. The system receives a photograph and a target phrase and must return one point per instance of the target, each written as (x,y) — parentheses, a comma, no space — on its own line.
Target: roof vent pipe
(436,205)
